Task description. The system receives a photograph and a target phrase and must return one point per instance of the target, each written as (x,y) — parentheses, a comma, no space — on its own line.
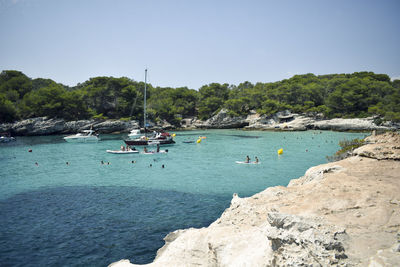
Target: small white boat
(122,151)
(82,137)
(6,137)
(134,134)
(244,162)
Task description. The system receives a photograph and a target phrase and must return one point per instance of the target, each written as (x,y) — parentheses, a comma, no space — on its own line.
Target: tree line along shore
(356,95)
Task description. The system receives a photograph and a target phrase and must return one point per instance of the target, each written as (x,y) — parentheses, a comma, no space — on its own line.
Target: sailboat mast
(144,106)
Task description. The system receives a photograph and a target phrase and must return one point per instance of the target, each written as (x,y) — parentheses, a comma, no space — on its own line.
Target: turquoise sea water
(88,214)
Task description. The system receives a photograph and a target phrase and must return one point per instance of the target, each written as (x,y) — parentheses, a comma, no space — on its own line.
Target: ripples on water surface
(85,213)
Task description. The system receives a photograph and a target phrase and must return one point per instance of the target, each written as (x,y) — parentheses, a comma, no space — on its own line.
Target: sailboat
(157,138)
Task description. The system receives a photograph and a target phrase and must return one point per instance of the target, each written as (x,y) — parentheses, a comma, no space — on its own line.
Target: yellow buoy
(198,140)
(280,151)
(173,135)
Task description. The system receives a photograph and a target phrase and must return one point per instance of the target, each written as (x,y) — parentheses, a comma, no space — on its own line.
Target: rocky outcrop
(191,123)
(281,121)
(315,174)
(345,213)
(37,126)
(287,121)
(380,147)
(348,125)
(46,126)
(113,126)
(222,120)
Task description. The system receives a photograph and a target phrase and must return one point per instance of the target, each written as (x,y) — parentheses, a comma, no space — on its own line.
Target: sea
(60,206)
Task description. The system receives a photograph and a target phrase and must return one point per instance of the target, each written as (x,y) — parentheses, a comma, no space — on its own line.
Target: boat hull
(122,152)
(134,136)
(149,142)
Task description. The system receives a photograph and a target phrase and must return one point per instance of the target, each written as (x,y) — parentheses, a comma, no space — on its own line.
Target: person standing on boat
(158,148)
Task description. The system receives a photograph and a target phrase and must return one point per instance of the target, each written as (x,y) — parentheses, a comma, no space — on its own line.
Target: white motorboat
(83,137)
(134,134)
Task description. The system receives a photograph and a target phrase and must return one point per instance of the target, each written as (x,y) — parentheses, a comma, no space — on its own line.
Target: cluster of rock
(380,148)
(286,121)
(281,121)
(45,126)
(345,213)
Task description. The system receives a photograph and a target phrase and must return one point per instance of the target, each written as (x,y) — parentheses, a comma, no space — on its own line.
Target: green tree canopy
(335,95)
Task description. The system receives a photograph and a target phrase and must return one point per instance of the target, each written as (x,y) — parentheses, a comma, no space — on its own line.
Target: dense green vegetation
(335,95)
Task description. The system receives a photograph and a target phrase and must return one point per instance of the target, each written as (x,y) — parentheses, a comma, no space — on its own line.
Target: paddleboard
(243,162)
(122,152)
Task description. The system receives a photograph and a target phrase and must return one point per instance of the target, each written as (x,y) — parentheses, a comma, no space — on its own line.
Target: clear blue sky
(193,43)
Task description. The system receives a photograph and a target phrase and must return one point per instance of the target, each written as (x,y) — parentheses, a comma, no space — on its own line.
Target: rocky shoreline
(45,126)
(287,121)
(344,213)
(281,121)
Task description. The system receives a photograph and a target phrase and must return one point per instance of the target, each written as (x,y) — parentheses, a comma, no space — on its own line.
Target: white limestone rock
(38,126)
(315,174)
(385,146)
(222,120)
(339,124)
(113,126)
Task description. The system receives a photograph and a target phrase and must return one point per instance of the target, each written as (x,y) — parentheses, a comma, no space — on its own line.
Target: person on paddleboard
(247,159)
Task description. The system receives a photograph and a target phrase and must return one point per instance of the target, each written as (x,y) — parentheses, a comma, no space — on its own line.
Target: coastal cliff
(287,121)
(344,213)
(281,121)
(48,126)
